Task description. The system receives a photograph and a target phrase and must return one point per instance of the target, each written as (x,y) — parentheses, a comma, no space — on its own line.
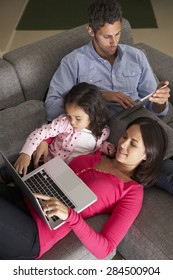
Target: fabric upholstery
(162,64)
(16,124)
(10,90)
(151,236)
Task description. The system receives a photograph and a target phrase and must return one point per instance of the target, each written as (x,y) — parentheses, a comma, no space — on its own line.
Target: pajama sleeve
(47,131)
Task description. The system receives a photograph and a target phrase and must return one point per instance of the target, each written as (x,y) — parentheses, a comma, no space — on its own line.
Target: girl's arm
(104,146)
(47,131)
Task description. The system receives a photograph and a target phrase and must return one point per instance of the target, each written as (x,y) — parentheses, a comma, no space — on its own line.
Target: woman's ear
(145,157)
(90,31)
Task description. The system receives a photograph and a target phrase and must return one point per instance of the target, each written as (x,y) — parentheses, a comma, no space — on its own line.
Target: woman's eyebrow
(132,138)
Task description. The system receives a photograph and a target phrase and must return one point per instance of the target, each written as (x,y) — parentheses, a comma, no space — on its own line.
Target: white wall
(14,9)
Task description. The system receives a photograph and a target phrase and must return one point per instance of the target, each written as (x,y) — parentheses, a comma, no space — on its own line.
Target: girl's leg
(18,231)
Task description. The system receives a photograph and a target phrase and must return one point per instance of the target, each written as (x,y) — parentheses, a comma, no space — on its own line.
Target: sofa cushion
(71,248)
(118,126)
(162,64)
(10,89)
(151,236)
(16,124)
(36,63)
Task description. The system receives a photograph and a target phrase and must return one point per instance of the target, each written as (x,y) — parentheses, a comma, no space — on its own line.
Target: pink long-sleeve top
(67,142)
(122,200)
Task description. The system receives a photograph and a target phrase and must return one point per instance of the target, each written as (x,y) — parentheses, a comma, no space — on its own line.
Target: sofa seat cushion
(151,235)
(17,123)
(71,248)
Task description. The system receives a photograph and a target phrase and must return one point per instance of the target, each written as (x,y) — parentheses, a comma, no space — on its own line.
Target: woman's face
(131,149)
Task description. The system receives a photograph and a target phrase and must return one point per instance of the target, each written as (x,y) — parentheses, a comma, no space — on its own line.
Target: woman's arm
(123,215)
(100,244)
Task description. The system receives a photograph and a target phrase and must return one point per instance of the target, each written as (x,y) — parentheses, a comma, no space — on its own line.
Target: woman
(118,184)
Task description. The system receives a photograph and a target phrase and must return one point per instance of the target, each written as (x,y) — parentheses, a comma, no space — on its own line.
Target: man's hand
(160,97)
(22,163)
(119,97)
(40,156)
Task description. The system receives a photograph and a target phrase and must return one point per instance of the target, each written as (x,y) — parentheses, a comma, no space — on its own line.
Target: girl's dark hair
(91,101)
(103,11)
(155,141)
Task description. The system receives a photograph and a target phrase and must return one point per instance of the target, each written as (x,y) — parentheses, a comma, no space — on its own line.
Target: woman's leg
(18,231)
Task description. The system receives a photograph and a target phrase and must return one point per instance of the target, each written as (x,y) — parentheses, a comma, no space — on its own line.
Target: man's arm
(63,80)
(118,97)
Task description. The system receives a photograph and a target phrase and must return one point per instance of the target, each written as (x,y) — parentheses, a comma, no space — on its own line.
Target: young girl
(82,130)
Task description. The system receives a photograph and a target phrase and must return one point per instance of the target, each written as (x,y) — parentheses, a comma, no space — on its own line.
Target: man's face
(106,39)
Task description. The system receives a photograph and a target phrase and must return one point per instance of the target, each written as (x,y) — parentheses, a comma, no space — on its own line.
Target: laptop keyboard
(42,183)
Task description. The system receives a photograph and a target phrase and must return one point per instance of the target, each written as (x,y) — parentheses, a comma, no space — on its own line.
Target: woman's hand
(22,163)
(40,156)
(53,206)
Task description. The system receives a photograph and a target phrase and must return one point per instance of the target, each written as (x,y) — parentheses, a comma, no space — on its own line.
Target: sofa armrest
(161,63)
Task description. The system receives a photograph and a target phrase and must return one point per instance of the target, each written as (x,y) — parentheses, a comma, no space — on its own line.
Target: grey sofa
(25,74)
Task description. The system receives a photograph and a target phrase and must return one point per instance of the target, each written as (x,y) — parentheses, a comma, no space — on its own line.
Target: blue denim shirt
(130,74)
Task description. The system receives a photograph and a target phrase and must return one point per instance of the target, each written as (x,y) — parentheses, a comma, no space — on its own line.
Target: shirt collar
(98,57)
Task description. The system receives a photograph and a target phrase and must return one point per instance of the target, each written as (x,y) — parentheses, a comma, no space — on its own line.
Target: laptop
(140,103)
(54,178)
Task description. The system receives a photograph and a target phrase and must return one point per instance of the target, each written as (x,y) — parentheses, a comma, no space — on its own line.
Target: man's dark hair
(103,11)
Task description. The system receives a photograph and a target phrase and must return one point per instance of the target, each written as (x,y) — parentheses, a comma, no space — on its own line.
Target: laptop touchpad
(68,180)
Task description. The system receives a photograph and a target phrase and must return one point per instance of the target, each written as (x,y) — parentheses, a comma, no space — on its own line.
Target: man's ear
(90,31)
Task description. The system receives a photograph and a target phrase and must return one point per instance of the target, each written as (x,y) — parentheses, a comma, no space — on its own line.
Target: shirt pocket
(131,79)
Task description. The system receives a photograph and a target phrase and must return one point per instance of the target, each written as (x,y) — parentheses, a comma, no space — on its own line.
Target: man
(120,71)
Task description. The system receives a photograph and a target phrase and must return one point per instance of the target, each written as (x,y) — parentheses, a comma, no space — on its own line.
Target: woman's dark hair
(91,101)
(155,141)
(103,11)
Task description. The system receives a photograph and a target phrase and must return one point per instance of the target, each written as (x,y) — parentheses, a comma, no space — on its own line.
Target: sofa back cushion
(16,124)
(36,63)
(10,89)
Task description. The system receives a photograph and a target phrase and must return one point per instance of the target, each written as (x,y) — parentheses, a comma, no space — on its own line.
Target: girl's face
(77,117)
(131,149)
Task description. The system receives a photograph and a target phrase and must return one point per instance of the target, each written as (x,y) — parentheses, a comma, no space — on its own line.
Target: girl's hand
(22,163)
(111,150)
(52,206)
(40,156)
